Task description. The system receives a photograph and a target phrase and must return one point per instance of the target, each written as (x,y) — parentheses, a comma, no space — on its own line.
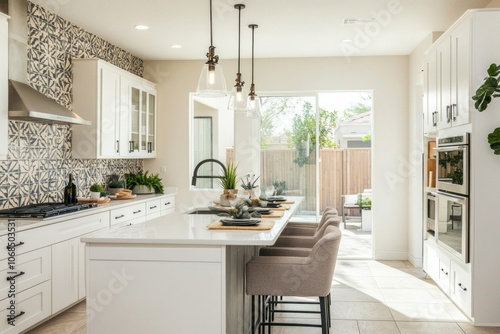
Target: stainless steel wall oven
(452,168)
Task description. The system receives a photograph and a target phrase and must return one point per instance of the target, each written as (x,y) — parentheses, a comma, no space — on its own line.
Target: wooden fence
(342,171)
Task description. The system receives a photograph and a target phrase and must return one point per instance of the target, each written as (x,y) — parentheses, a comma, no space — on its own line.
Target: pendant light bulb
(237,100)
(211,82)
(253,103)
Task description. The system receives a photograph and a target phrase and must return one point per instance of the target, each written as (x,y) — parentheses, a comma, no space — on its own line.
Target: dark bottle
(70,192)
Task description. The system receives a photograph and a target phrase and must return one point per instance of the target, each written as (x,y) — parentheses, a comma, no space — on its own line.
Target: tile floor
(368,297)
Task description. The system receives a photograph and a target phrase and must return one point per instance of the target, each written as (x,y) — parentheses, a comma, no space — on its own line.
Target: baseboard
(416,261)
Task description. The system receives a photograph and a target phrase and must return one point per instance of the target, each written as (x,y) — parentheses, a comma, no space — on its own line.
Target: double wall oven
(447,218)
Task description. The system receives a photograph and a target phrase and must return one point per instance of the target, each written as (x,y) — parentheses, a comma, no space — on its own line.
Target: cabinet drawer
(34,302)
(36,268)
(153,207)
(167,205)
(47,235)
(444,274)
(460,290)
(130,212)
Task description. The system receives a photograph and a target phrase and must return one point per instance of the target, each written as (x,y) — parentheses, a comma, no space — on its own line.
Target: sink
(202,211)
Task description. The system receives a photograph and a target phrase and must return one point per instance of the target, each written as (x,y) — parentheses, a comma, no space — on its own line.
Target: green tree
(358,108)
(273,109)
(303,133)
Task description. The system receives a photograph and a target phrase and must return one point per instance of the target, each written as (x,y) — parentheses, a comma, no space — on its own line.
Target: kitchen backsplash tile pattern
(39,160)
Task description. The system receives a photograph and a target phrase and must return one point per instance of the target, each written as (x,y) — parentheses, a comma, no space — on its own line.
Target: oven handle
(456,198)
(450,148)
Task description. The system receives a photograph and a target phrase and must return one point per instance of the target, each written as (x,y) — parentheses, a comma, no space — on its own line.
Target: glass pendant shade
(238,98)
(253,106)
(212,82)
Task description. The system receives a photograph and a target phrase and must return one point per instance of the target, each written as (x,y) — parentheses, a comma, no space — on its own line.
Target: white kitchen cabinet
(447,79)
(470,50)
(65,274)
(4,85)
(430,93)
(32,306)
(133,213)
(167,205)
(121,107)
(153,208)
(139,130)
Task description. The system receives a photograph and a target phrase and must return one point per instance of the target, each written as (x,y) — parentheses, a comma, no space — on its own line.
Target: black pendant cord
(239,35)
(253,30)
(211,35)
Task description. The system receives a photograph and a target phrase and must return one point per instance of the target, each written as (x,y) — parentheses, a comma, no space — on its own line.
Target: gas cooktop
(44,210)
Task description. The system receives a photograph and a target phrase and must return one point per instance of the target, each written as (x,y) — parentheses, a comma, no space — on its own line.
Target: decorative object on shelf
(240,211)
(228,183)
(143,183)
(484,95)
(238,97)
(212,82)
(96,190)
(114,184)
(253,103)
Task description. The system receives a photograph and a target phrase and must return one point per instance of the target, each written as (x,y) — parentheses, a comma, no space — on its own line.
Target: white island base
(167,289)
(172,275)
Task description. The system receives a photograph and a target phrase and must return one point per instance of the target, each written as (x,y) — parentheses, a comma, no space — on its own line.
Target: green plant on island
(96,188)
(228,179)
(153,181)
(240,211)
(364,203)
(249,182)
(279,187)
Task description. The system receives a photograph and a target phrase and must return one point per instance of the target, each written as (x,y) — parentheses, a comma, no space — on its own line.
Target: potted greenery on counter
(143,183)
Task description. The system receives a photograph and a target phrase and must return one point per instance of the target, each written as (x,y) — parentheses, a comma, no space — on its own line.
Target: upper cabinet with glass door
(121,107)
(139,129)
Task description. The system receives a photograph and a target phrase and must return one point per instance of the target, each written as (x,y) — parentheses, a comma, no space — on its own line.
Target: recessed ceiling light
(357,21)
(176,46)
(141,27)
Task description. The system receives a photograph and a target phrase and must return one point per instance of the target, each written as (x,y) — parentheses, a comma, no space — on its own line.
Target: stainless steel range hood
(27,104)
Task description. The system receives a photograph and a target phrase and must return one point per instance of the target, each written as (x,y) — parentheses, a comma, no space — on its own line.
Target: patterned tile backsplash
(39,159)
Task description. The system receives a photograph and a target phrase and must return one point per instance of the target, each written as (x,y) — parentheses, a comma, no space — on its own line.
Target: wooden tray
(263,226)
(102,200)
(113,197)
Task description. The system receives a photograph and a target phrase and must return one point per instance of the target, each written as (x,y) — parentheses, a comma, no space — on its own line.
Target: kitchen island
(172,275)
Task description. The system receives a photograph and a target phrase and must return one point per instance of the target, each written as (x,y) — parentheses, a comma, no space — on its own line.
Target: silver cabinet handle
(138,211)
(120,216)
(445,272)
(462,287)
(152,207)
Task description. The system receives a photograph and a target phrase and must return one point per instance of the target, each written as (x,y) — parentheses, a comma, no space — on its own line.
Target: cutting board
(102,200)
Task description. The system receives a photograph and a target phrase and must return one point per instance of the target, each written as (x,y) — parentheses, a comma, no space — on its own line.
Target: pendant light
(253,102)
(212,82)
(237,99)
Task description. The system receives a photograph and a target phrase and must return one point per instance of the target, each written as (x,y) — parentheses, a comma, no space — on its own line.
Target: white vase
(95,195)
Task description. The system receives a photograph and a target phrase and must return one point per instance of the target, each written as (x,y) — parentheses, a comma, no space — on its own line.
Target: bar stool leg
(324,320)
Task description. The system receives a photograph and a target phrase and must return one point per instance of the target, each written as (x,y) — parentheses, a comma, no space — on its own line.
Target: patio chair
(350,202)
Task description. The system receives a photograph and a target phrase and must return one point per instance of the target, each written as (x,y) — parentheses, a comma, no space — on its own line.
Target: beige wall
(387,77)
(493,4)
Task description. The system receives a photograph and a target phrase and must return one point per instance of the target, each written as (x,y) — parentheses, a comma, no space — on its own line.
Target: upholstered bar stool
(294,276)
(301,243)
(305,228)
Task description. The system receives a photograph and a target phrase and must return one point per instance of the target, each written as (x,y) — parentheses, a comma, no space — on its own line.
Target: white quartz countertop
(27,223)
(189,229)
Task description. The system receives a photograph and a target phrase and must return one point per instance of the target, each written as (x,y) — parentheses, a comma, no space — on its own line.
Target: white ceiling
(287,28)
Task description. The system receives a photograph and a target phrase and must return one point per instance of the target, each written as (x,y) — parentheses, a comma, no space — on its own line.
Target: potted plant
(143,183)
(114,184)
(365,204)
(96,190)
(484,95)
(249,185)
(228,183)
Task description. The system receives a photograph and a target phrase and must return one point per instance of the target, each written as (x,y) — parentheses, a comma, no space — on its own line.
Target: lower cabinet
(452,276)
(32,306)
(65,277)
